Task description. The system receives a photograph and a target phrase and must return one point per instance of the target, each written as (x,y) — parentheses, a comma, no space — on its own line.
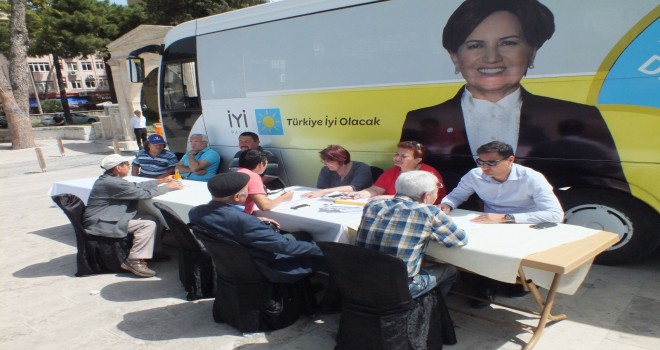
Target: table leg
(545,314)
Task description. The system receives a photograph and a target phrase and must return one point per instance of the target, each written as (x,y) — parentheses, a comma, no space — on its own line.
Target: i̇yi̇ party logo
(269,121)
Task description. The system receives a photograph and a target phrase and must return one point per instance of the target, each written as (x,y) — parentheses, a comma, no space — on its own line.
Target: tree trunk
(62,88)
(14,92)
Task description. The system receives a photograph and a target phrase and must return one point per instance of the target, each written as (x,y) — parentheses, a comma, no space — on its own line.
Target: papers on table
(341,208)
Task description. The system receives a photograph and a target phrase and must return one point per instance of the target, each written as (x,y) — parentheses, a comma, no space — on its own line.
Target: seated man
(280,258)
(403,226)
(112,211)
(253,163)
(247,141)
(511,193)
(154,161)
(200,163)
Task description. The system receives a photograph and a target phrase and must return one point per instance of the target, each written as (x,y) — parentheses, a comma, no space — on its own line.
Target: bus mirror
(135,67)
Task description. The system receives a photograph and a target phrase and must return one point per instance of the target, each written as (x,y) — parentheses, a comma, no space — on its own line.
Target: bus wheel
(632,220)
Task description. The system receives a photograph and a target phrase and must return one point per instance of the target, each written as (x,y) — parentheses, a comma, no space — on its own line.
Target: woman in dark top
(340,174)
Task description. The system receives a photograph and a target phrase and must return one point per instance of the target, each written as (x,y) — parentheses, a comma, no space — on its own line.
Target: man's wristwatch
(508,218)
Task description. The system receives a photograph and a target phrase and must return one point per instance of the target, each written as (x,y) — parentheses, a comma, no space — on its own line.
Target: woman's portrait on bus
(493,44)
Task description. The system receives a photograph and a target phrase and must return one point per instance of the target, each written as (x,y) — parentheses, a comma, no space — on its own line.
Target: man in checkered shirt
(403,227)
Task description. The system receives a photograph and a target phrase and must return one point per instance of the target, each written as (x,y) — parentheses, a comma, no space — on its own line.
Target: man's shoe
(138,267)
(488,296)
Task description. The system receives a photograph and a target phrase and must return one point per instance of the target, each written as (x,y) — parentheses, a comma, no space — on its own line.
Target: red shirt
(389,176)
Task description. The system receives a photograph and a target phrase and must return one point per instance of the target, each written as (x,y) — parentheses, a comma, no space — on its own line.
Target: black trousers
(140,137)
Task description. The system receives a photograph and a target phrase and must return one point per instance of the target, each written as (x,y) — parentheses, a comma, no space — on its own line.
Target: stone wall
(74,132)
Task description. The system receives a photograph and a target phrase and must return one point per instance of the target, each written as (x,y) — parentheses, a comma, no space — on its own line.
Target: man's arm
(446,232)
(548,206)
(264,203)
(262,236)
(460,194)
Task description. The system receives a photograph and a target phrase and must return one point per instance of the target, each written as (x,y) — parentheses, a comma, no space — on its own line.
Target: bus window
(180,86)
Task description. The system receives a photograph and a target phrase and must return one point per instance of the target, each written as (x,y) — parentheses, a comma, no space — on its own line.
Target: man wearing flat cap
(280,258)
(112,211)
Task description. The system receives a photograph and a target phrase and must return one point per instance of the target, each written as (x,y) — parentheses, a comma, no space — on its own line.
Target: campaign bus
(304,74)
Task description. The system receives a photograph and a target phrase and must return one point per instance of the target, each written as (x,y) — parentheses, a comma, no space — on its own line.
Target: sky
(119,2)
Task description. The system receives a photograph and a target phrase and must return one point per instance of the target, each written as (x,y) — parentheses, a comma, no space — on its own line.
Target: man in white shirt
(511,193)
(139,125)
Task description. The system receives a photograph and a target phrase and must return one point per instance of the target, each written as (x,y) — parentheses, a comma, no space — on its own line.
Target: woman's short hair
(536,20)
(419,151)
(335,153)
(415,183)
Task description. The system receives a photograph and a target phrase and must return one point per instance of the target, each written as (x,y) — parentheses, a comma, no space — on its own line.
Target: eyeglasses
(481,162)
(196,142)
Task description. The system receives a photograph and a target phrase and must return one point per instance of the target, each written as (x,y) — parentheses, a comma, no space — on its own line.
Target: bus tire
(635,222)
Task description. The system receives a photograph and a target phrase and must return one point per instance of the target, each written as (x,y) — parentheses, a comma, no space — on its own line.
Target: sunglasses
(481,162)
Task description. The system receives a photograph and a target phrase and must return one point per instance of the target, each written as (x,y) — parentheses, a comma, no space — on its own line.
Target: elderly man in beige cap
(112,211)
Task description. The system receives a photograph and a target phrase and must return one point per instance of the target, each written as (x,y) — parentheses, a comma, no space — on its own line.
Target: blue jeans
(431,276)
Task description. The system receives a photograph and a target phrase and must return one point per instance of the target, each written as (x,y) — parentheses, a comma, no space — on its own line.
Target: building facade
(85,80)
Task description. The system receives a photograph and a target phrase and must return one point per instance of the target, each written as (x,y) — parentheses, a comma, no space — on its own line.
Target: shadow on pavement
(185,320)
(140,289)
(61,266)
(63,234)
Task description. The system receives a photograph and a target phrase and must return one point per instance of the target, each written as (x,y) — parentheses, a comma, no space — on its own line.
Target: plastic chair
(244,297)
(376,172)
(377,310)
(196,271)
(96,254)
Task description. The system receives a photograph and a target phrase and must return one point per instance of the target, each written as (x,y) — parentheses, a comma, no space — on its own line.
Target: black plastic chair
(376,172)
(244,297)
(96,254)
(377,311)
(196,271)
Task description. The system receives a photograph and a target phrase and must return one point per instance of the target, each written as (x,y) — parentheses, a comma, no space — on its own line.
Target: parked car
(78,118)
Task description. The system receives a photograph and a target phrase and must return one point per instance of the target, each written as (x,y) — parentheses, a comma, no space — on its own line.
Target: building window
(45,86)
(75,84)
(99,65)
(72,66)
(90,83)
(86,65)
(103,83)
(39,67)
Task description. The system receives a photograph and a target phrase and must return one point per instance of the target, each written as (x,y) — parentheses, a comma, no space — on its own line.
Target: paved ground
(43,306)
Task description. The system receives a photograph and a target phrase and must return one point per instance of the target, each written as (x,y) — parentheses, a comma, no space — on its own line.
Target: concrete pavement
(43,306)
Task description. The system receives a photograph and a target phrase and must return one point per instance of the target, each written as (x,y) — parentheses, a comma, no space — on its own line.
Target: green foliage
(51,105)
(173,12)
(72,28)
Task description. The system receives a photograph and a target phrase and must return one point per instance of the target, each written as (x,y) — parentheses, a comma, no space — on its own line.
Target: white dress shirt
(138,122)
(526,194)
(487,121)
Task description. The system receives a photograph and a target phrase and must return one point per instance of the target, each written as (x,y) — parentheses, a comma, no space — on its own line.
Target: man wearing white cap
(112,211)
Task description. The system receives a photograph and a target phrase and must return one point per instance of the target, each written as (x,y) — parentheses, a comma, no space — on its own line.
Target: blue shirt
(403,228)
(154,167)
(525,194)
(208,155)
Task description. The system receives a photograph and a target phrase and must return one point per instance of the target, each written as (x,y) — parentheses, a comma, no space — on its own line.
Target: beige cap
(113,160)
